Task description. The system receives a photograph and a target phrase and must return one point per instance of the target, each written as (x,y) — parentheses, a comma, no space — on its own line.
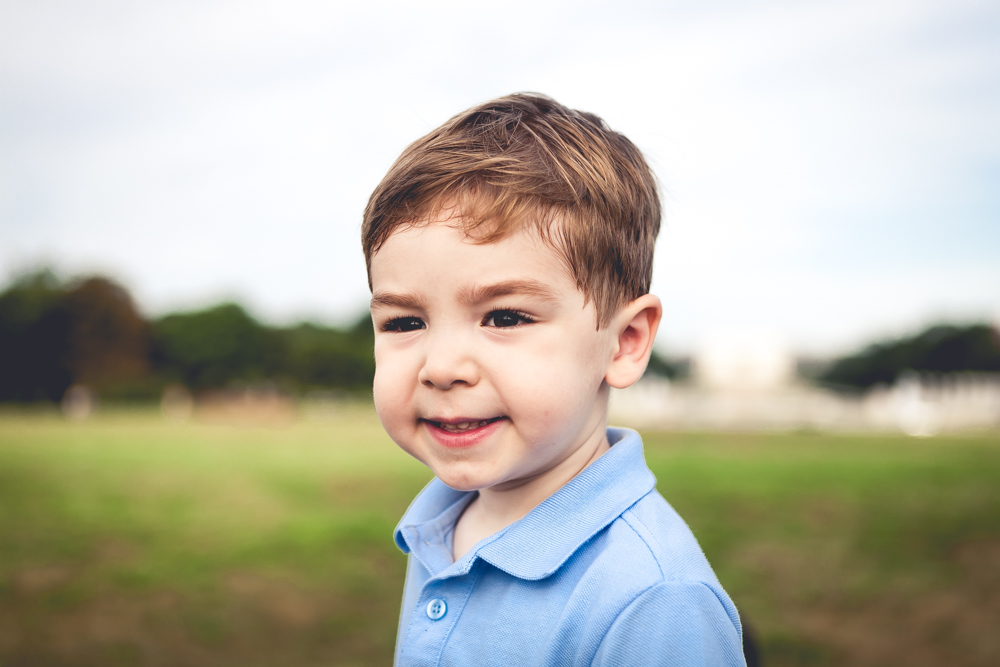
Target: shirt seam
(669,580)
(623,610)
(631,519)
(662,584)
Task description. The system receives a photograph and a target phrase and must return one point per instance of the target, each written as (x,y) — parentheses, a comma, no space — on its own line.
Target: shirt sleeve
(676,624)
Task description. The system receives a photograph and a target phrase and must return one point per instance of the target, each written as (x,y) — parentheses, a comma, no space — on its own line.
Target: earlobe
(636,326)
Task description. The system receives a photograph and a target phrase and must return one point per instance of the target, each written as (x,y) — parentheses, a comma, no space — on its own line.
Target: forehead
(441,256)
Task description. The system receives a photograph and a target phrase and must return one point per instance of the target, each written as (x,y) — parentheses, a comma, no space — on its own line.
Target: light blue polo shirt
(603,572)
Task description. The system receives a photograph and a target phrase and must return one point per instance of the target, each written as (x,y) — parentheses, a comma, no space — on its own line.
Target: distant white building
(748,381)
(743,361)
(926,405)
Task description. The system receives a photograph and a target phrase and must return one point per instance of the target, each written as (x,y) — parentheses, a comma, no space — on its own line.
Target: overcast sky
(831,170)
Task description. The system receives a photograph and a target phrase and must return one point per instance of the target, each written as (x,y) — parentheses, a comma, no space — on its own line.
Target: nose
(448,361)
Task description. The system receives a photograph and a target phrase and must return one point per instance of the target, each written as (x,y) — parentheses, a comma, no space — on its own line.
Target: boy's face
(488,365)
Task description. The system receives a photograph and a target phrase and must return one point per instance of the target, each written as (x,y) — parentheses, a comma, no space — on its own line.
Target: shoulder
(668,539)
(674,597)
(673,623)
(658,542)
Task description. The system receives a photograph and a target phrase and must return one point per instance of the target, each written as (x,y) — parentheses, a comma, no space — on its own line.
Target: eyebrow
(483,293)
(402,301)
(469,295)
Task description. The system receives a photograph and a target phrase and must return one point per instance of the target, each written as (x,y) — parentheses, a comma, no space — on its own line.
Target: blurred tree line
(938,349)
(54,334)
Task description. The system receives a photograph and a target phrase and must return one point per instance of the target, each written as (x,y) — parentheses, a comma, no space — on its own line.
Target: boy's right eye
(404,324)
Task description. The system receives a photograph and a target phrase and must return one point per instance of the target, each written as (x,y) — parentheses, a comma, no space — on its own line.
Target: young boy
(509,255)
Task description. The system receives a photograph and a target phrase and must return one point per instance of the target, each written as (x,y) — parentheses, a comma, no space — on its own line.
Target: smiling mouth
(461,426)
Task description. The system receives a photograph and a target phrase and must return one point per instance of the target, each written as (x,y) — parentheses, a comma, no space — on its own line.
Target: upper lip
(459,420)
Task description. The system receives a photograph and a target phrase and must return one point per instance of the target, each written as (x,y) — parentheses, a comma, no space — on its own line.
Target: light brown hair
(526,160)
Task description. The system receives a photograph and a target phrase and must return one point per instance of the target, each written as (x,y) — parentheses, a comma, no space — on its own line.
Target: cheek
(391,388)
(556,386)
(381,396)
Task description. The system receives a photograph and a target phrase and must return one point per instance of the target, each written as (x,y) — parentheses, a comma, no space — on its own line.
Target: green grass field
(129,540)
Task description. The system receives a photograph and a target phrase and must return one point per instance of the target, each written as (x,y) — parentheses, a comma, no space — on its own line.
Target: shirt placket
(438,609)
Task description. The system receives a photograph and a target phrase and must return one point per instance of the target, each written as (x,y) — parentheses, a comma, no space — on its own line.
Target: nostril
(447,362)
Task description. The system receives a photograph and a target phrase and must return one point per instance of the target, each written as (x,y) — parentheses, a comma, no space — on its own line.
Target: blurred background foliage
(55,333)
(939,349)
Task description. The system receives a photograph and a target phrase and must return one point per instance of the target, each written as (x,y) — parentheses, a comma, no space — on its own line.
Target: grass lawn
(130,540)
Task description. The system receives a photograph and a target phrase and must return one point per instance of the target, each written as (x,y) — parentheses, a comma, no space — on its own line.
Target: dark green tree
(326,357)
(213,347)
(668,367)
(53,334)
(34,336)
(939,349)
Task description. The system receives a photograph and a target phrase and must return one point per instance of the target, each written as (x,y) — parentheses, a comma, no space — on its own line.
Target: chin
(462,481)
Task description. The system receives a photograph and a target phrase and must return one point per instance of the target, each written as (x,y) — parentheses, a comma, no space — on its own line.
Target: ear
(635,326)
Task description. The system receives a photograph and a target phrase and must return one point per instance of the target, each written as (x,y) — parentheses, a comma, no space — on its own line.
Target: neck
(502,505)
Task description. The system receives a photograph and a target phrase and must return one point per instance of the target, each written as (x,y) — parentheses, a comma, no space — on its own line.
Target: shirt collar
(537,545)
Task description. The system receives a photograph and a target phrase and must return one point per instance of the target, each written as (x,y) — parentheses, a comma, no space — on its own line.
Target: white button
(436,609)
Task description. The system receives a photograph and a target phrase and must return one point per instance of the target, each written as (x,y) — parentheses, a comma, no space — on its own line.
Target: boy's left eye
(505,319)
